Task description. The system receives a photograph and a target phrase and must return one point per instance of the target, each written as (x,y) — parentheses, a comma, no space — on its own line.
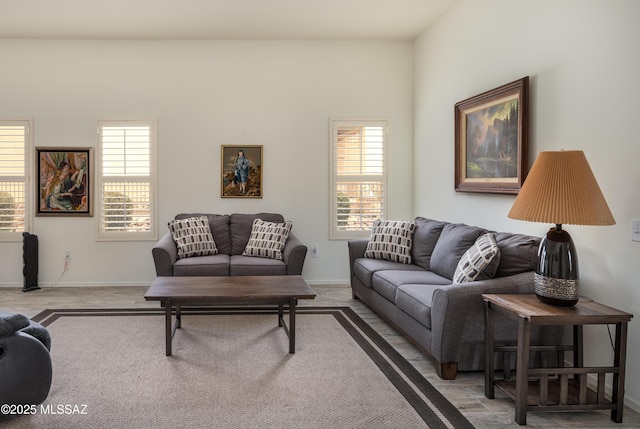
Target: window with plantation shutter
(127,180)
(358,179)
(15,192)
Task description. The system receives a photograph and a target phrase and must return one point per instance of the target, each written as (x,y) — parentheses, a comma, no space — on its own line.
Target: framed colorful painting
(241,171)
(64,181)
(491,140)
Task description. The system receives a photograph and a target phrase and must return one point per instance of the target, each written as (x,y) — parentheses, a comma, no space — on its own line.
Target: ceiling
(219,19)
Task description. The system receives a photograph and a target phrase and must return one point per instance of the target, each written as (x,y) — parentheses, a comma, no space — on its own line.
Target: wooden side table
(560,388)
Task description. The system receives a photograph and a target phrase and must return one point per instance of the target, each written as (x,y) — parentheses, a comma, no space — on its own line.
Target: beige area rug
(230,369)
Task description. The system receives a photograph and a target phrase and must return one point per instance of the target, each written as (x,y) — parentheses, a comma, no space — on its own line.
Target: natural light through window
(358,179)
(127,185)
(14,141)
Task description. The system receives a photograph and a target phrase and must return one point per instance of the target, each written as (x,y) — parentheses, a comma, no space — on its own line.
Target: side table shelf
(560,388)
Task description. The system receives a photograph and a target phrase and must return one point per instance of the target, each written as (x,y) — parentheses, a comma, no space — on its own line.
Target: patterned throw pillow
(267,239)
(391,240)
(193,237)
(477,258)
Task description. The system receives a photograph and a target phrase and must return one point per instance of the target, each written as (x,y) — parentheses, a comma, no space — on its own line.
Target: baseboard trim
(146,283)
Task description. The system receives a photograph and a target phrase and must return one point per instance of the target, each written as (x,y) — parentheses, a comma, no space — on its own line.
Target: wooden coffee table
(176,292)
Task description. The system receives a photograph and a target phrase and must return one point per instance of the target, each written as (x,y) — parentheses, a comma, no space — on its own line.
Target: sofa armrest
(165,254)
(293,255)
(356,250)
(457,312)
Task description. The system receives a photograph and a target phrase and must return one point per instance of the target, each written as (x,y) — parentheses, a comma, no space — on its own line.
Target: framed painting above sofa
(491,140)
(241,171)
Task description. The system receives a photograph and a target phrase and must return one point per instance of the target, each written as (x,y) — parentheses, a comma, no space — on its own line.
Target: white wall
(583,60)
(205,94)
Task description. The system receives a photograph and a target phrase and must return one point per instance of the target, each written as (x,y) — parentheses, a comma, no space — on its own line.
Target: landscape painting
(491,140)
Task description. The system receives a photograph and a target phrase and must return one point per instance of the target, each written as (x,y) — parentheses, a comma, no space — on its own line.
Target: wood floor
(466,391)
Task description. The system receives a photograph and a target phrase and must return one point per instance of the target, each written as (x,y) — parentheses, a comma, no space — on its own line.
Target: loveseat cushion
(454,240)
(364,268)
(425,238)
(391,240)
(219,225)
(387,282)
(240,225)
(480,261)
(518,253)
(415,300)
(252,266)
(214,265)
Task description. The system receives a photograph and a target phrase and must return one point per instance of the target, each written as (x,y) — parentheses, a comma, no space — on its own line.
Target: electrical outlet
(314,251)
(67,259)
(635,230)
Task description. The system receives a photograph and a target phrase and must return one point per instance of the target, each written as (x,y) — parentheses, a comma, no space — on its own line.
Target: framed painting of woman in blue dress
(64,181)
(241,171)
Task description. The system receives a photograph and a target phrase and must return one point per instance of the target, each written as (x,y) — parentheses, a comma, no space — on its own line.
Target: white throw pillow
(391,240)
(267,239)
(477,258)
(193,237)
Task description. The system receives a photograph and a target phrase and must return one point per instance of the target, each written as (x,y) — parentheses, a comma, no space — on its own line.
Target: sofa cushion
(364,268)
(480,261)
(454,240)
(425,238)
(214,265)
(267,239)
(415,300)
(386,282)
(193,237)
(518,253)
(391,240)
(240,225)
(219,225)
(252,266)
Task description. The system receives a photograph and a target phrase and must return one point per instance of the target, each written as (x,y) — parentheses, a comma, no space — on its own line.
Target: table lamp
(560,189)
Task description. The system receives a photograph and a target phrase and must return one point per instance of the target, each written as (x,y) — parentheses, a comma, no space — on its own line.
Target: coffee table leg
(292,325)
(167,322)
(280,315)
(178,319)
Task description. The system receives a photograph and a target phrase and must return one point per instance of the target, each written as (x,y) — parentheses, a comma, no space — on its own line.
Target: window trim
(28,175)
(334,123)
(152,234)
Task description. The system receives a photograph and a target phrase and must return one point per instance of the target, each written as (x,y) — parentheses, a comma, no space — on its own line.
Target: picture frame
(241,171)
(64,181)
(491,140)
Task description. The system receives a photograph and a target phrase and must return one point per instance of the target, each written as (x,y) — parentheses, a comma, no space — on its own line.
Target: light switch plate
(635,230)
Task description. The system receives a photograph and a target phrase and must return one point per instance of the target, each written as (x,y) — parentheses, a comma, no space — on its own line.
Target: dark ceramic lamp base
(556,279)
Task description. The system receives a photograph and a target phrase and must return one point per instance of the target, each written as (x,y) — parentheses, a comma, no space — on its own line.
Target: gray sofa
(231,235)
(445,320)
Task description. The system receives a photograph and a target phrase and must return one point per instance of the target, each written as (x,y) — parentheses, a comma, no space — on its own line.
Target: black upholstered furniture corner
(25,362)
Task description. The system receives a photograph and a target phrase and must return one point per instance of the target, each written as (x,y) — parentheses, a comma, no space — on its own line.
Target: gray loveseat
(231,234)
(446,320)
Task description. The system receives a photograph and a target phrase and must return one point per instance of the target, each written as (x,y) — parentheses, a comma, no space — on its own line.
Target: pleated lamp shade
(561,189)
